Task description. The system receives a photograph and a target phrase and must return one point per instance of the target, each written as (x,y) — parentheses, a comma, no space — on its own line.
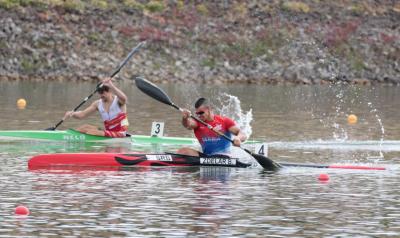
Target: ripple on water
(203,202)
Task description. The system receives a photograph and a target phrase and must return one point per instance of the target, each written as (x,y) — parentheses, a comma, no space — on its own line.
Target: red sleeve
(229,123)
(197,124)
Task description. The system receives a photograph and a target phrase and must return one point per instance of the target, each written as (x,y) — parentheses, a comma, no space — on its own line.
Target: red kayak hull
(128,159)
(118,160)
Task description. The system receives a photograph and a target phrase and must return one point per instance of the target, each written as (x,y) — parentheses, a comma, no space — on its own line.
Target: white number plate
(218,161)
(262,149)
(157,129)
(159,157)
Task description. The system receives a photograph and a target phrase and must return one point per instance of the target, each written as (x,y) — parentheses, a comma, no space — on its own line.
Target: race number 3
(262,149)
(157,129)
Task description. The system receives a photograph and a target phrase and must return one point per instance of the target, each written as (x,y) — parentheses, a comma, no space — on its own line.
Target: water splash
(379,120)
(348,99)
(224,104)
(231,107)
(332,118)
(339,133)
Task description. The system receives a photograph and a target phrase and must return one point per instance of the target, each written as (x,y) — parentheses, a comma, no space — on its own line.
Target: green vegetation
(133,4)
(75,5)
(209,62)
(8,4)
(240,10)
(293,6)
(155,6)
(93,37)
(27,65)
(202,9)
(356,60)
(101,4)
(358,9)
(30,65)
(352,56)
(152,6)
(180,4)
(261,49)
(157,66)
(43,43)
(80,5)
(3,44)
(237,49)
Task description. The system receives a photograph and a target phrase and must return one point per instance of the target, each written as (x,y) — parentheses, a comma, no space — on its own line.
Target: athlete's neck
(210,117)
(108,98)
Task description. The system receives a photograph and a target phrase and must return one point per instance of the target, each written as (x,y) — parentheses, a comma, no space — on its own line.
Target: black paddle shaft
(99,85)
(155,92)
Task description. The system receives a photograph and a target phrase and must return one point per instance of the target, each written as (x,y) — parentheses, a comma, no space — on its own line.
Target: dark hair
(103,88)
(200,102)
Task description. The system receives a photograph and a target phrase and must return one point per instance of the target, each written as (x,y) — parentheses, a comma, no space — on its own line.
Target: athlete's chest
(107,106)
(216,124)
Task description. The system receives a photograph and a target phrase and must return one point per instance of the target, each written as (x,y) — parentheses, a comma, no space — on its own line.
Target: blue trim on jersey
(216,145)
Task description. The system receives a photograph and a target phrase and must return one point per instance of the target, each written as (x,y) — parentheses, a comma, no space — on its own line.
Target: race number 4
(262,149)
(157,129)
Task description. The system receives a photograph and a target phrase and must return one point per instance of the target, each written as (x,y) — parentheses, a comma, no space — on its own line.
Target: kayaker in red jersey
(212,144)
(112,109)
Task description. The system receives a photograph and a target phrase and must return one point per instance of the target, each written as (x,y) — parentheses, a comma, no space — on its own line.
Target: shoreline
(364,82)
(304,42)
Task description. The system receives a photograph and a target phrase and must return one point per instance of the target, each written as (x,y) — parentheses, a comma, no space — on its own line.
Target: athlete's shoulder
(223,118)
(219,117)
(228,122)
(96,102)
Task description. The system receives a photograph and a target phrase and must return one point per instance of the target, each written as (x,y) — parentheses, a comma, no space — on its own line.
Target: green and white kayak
(73,136)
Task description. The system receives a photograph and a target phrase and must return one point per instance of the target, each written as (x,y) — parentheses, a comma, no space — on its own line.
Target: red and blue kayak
(82,160)
(128,159)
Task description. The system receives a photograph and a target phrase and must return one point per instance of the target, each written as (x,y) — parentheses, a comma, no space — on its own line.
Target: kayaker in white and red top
(212,144)
(112,108)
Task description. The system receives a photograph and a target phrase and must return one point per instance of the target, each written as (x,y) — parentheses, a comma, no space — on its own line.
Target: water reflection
(207,202)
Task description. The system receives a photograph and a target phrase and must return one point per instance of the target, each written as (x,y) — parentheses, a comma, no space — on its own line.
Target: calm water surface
(306,124)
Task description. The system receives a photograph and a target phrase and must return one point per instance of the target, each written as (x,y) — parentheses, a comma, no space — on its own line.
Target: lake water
(302,124)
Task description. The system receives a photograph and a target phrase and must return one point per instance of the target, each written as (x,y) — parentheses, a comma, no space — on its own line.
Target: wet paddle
(155,92)
(99,85)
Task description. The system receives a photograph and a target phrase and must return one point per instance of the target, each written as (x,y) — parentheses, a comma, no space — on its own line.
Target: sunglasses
(101,91)
(200,113)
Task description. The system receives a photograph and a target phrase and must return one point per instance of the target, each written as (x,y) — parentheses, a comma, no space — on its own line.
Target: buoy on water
(21,103)
(21,210)
(323,177)
(352,119)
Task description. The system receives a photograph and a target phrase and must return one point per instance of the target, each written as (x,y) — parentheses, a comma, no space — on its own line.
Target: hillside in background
(277,41)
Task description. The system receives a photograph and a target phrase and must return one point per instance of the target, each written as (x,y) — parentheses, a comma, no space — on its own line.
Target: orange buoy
(352,119)
(21,103)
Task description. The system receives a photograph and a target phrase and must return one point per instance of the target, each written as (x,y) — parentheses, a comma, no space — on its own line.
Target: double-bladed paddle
(158,94)
(99,85)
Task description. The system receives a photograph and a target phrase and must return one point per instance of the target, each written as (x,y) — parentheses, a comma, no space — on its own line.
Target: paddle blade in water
(265,162)
(152,90)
